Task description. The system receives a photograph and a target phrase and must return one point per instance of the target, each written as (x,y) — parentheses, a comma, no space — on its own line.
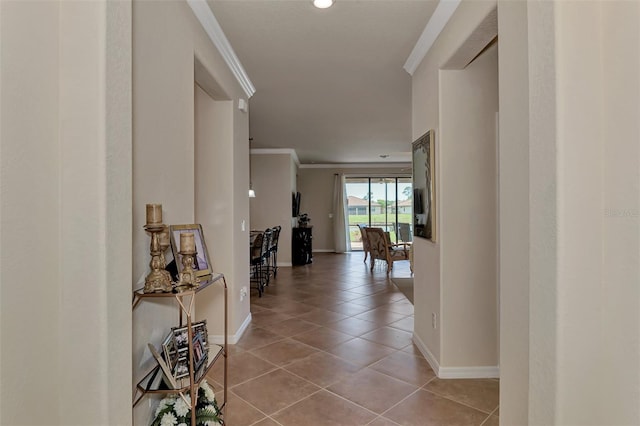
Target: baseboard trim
(323,251)
(433,362)
(285,264)
(232,339)
(489,372)
(469,372)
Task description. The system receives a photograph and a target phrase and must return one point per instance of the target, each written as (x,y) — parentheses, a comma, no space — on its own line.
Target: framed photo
(200,327)
(182,368)
(202,264)
(170,351)
(199,352)
(181,337)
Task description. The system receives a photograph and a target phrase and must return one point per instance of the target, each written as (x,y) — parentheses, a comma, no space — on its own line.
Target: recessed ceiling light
(322,4)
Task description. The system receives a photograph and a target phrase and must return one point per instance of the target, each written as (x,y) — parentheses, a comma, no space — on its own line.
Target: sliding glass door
(383,202)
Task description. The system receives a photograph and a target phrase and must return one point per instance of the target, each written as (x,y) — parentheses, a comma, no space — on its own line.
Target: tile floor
(330,344)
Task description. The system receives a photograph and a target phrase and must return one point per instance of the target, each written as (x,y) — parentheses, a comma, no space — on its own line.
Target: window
(384,202)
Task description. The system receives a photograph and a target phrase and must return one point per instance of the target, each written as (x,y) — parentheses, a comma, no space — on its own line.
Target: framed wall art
(202,263)
(424,185)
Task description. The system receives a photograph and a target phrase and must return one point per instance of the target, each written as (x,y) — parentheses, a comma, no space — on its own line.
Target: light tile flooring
(330,344)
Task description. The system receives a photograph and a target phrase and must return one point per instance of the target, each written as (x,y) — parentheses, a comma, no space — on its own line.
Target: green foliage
(379,218)
(203,416)
(408,192)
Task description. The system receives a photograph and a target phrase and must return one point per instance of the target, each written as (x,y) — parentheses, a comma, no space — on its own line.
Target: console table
(301,246)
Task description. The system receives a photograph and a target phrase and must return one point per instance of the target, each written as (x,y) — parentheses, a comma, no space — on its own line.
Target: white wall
(66,199)
(273,177)
(167,40)
(434,260)
(468,201)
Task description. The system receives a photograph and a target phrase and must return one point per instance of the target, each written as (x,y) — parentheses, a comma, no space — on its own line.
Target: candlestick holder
(187,279)
(158,280)
(164,239)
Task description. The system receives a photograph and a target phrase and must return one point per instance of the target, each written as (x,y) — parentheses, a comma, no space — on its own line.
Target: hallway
(330,343)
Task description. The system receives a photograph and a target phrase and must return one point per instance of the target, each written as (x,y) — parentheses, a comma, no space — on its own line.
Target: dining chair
(256,263)
(273,250)
(404,232)
(259,260)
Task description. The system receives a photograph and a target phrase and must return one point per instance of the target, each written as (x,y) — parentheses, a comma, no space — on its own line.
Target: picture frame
(424,186)
(180,335)
(168,373)
(200,327)
(174,355)
(170,351)
(199,352)
(202,262)
(181,369)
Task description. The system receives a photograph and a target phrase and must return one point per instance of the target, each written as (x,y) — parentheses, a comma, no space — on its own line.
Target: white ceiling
(329,83)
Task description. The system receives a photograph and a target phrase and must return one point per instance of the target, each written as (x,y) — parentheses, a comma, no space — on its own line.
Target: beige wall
(66,199)
(468,202)
(435,260)
(71,151)
(190,176)
(584,293)
(29,237)
(273,177)
(214,162)
(621,232)
(578,88)
(514,212)
(316,189)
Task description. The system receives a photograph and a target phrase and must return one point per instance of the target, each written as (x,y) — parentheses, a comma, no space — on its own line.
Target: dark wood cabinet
(301,240)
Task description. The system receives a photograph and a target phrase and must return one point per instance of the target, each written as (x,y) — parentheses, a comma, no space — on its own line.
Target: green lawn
(376,220)
(379,219)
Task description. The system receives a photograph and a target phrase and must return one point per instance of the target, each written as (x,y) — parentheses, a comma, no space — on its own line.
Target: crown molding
(355,165)
(292,152)
(211,26)
(434,27)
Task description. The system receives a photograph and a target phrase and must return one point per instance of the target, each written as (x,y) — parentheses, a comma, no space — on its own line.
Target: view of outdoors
(379,202)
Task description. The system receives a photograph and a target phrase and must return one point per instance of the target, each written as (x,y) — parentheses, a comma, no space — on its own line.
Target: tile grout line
(400,402)
(453,400)
(321,388)
(403,381)
(373,289)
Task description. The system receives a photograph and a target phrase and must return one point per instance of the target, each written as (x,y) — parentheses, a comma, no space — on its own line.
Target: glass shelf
(139,294)
(160,386)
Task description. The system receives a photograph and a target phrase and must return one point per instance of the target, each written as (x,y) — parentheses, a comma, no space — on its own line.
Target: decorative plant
(303,220)
(175,411)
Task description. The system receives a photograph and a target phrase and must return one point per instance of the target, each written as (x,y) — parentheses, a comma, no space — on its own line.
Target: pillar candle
(154,214)
(187,242)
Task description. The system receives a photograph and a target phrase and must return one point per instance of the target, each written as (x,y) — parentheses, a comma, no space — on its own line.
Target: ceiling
(329,82)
